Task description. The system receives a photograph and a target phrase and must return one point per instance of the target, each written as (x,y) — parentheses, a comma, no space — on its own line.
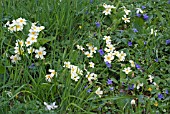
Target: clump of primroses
(23,45)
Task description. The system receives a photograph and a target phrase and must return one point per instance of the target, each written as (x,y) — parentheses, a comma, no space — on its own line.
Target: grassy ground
(68,23)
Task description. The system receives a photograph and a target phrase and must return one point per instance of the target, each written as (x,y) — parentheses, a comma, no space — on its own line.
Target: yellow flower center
(40,53)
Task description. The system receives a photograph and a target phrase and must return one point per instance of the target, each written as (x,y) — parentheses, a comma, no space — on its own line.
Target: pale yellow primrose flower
(133,102)
(48,77)
(127,70)
(91,64)
(51,106)
(67,64)
(15,58)
(52,72)
(30,50)
(99,92)
(150,78)
(132,63)
(108,58)
(40,53)
(126,20)
(21,21)
(88,54)
(127,11)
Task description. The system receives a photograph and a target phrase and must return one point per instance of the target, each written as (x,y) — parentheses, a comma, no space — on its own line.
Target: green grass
(62,21)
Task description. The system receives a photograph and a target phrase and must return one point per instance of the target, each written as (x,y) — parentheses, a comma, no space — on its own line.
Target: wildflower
(32,66)
(129,43)
(97,24)
(101,52)
(137,66)
(74,76)
(19,50)
(156,60)
(32,33)
(80,47)
(150,78)
(99,92)
(91,1)
(111,88)
(80,27)
(19,43)
(53,72)
(32,39)
(138,15)
(21,21)
(167,41)
(30,50)
(40,53)
(110,46)
(133,102)
(127,70)
(107,11)
(7,24)
(139,85)
(132,63)
(93,49)
(91,76)
(131,87)
(139,10)
(108,8)
(15,58)
(67,64)
(108,64)
(121,56)
(107,38)
(166,91)
(149,89)
(109,82)
(168,1)
(28,43)
(126,20)
(143,7)
(51,106)
(108,58)
(91,64)
(135,30)
(89,90)
(160,96)
(152,31)
(144,42)
(73,69)
(89,54)
(116,53)
(127,11)
(48,77)
(156,103)
(107,50)
(145,16)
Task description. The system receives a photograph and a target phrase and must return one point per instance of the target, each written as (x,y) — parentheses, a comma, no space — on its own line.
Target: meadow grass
(69,23)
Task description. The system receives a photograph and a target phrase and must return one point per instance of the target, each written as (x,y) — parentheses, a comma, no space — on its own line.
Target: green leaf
(43,41)
(2,69)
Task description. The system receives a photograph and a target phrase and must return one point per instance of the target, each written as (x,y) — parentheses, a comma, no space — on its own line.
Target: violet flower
(109,82)
(135,30)
(108,64)
(167,41)
(160,96)
(145,17)
(129,43)
(101,52)
(137,66)
(97,24)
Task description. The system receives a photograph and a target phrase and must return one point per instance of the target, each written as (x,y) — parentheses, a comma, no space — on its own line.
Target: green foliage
(24,87)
